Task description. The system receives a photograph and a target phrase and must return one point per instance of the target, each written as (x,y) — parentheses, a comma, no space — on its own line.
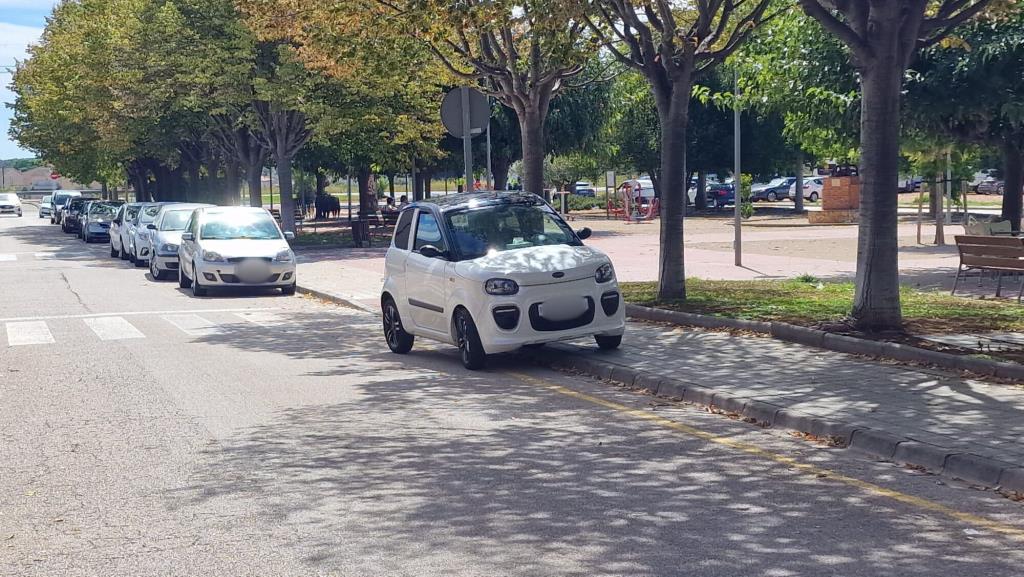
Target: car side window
(403,229)
(428,232)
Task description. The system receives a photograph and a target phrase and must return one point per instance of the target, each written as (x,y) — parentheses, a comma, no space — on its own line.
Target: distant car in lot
(59,200)
(235,246)
(120,228)
(494,271)
(584,188)
(165,236)
(990,185)
(721,194)
(95,220)
(10,203)
(46,206)
(813,187)
(70,220)
(776,189)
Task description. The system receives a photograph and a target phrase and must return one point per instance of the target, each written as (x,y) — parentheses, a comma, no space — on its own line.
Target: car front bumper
(604,315)
(98,231)
(278,274)
(161,262)
(10,210)
(45,211)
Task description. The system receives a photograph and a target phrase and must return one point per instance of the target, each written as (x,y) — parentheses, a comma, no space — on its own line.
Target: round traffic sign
(451,112)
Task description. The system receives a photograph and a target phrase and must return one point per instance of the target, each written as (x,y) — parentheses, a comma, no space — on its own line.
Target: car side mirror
(431,251)
(151,226)
(289,235)
(187,236)
(584,233)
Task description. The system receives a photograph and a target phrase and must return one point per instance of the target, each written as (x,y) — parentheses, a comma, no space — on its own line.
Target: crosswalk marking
(113,328)
(28,333)
(193,325)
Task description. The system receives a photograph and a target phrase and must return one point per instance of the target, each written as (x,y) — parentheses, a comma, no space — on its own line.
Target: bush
(585,203)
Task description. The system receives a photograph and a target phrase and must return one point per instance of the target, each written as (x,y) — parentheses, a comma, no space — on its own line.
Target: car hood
(536,265)
(245,248)
(166,236)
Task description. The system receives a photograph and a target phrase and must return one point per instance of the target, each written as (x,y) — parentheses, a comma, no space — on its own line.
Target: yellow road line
(809,469)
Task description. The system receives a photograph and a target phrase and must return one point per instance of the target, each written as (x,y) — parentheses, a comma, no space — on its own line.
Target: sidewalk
(940,413)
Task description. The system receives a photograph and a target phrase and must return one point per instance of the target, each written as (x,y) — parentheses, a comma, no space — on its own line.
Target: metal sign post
(465,112)
(467,140)
(737,177)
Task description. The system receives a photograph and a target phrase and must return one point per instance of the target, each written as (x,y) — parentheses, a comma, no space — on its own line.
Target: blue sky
(21,22)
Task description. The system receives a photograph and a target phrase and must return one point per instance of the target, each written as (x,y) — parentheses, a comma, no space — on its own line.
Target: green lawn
(812,303)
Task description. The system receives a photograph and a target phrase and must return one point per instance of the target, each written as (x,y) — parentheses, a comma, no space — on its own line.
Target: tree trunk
(254,175)
(367,200)
(500,166)
(232,183)
(321,183)
(531,124)
(876,304)
(1012,190)
(673,113)
(284,182)
(940,218)
(700,200)
(933,196)
(798,198)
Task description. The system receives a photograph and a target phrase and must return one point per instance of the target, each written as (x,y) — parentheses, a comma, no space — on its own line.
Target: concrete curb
(834,342)
(874,443)
(332,298)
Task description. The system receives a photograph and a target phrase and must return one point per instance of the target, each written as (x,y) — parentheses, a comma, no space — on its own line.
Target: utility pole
(737,175)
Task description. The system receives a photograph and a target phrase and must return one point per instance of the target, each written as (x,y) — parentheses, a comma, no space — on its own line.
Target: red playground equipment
(634,207)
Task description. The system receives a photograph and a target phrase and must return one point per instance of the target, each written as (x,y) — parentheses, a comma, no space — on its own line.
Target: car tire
(288,290)
(113,251)
(197,289)
(813,197)
(121,254)
(471,350)
(139,263)
(608,342)
(399,341)
(157,273)
(772,197)
(183,280)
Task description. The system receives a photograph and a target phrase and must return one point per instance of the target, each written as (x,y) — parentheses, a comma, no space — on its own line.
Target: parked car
(776,189)
(720,194)
(165,236)
(60,200)
(10,203)
(491,272)
(95,220)
(138,234)
(46,206)
(584,188)
(813,187)
(235,246)
(990,185)
(70,220)
(120,227)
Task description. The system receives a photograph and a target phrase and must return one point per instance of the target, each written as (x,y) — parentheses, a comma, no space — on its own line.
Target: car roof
(176,206)
(478,199)
(220,209)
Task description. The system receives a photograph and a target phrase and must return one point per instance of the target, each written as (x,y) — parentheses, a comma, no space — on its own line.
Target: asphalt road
(144,432)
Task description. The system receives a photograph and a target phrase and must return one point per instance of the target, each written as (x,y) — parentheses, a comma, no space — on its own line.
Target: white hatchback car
(235,246)
(10,203)
(491,272)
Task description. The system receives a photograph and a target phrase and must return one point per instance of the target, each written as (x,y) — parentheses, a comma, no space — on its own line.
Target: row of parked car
(202,245)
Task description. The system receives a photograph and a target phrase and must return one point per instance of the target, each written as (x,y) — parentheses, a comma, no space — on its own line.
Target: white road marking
(29,333)
(193,325)
(8,257)
(113,328)
(262,319)
(130,313)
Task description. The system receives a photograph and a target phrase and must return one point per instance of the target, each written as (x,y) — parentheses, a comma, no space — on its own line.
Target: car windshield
(476,232)
(47,199)
(8,198)
(175,219)
(149,214)
(777,182)
(60,199)
(239,226)
(102,210)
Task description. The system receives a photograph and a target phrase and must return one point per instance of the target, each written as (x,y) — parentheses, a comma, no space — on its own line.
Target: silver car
(120,227)
(138,234)
(59,200)
(235,246)
(46,206)
(165,236)
(10,203)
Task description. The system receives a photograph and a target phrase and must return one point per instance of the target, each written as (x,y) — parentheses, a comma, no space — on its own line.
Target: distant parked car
(95,220)
(990,185)
(120,227)
(10,203)
(46,206)
(584,188)
(70,220)
(138,234)
(912,184)
(721,194)
(776,189)
(235,246)
(165,236)
(60,200)
(813,187)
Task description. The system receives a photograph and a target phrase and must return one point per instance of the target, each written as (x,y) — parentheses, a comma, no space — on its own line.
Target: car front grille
(245,258)
(541,324)
(233,279)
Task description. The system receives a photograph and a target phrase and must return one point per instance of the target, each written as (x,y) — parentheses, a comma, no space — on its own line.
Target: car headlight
(283,256)
(169,248)
(501,286)
(605,273)
(210,256)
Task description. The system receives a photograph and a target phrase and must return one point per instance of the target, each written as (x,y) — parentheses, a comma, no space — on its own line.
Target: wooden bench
(997,254)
